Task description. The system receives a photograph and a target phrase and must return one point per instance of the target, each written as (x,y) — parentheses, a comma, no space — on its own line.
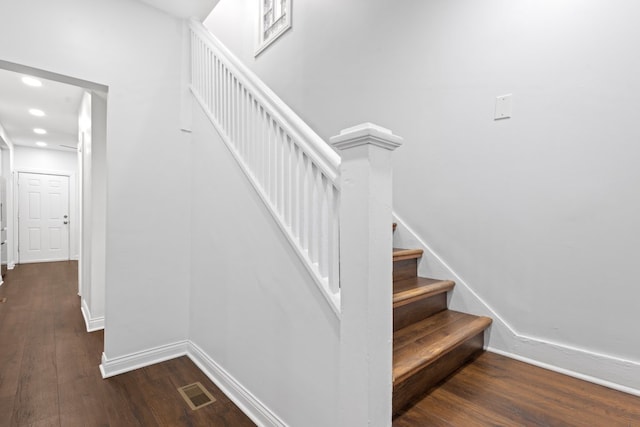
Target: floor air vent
(196,395)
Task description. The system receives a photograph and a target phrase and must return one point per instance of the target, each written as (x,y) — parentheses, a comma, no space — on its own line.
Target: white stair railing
(334,209)
(293,170)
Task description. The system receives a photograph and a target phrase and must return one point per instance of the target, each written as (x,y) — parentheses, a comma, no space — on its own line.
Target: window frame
(265,42)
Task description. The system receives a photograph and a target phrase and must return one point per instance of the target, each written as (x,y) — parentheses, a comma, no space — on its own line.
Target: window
(275,19)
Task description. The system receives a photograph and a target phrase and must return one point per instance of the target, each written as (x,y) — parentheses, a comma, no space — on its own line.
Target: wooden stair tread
(408,290)
(421,344)
(400,254)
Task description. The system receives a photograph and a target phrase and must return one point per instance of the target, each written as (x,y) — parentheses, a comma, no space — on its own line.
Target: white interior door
(43,217)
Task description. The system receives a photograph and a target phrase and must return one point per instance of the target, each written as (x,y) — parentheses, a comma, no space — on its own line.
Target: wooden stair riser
(418,309)
(418,384)
(405,269)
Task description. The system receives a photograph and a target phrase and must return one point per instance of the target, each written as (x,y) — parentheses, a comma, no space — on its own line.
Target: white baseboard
(140,359)
(39,261)
(247,402)
(11,266)
(239,395)
(93,323)
(622,369)
(602,369)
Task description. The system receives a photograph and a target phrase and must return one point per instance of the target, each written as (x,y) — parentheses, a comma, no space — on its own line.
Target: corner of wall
(130,362)
(93,323)
(233,389)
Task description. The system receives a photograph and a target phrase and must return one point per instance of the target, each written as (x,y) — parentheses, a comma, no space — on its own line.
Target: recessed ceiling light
(36,112)
(41,144)
(39,131)
(31,81)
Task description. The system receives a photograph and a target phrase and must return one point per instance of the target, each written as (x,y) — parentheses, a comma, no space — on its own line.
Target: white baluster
(206,96)
(216,85)
(269,159)
(243,121)
(278,167)
(234,112)
(334,236)
(286,179)
(193,66)
(323,225)
(227,100)
(295,192)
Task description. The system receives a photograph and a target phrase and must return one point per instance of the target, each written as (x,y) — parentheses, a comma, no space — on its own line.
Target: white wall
(92,169)
(28,159)
(135,51)
(46,160)
(254,308)
(537,213)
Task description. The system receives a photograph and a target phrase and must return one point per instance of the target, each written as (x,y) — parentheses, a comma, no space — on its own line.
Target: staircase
(319,195)
(430,342)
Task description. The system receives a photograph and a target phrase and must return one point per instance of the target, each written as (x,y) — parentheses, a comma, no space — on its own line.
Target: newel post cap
(366,133)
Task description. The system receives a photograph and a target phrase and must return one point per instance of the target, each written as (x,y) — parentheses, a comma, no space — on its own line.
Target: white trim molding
(140,359)
(93,323)
(602,369)
(590,365)
(233,389)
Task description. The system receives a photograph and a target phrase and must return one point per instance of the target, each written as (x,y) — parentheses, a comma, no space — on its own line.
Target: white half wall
(536,213)
(256,314)
(134,50)
(28,159)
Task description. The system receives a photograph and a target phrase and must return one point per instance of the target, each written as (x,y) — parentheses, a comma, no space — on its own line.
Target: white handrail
(293,170)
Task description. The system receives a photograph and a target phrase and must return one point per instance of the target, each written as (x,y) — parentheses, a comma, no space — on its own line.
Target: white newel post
(366,274)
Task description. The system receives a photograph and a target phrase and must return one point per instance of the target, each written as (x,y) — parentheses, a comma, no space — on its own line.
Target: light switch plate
(503,107)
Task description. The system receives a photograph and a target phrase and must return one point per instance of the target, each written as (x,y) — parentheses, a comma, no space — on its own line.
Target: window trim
(265,43)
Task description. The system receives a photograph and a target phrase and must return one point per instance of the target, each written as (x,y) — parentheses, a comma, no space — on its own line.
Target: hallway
(49,372)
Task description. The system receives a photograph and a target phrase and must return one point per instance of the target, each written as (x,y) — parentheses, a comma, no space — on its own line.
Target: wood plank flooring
(49,372)
(49,377)
(497,391)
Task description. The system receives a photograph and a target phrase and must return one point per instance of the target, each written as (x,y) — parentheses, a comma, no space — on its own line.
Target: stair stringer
(502,338)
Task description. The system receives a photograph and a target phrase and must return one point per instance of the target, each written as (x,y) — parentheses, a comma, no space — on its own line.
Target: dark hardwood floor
(49,377)
(497,391)
(49,372)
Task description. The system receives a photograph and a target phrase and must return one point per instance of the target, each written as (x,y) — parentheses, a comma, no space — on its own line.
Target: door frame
(74,215)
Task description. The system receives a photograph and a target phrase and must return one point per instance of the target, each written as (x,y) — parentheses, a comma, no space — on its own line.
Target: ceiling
(199,9)
(59,101)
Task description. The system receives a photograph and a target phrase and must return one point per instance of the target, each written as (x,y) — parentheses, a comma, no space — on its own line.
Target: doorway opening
(41,222)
